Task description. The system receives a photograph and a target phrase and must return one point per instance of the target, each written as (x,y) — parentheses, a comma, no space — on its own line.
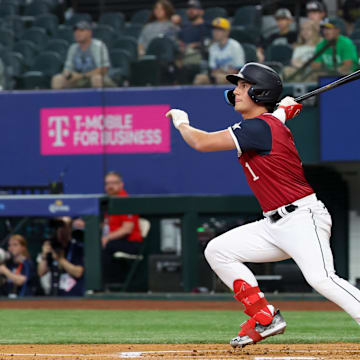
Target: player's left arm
(198,139)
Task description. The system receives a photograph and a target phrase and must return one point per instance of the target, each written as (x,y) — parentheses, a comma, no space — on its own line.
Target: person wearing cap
(159,24)
(285,35)
(193,41)
(344,60)
(87,62)
(225,55)
(193,34)
(316,11)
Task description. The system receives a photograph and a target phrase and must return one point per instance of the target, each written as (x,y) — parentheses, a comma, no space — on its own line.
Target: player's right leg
(226,255)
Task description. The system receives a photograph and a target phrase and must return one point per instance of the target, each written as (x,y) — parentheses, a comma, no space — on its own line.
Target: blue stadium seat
(105,33)
(28,50)
(65,32)
(127,43)
(49,22)
(115,20)
(213,12)
(140,17)
(37,35)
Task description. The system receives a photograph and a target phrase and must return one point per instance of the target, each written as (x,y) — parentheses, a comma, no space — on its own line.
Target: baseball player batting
(296,224)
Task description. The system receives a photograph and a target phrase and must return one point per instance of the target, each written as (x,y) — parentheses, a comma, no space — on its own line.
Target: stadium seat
(115,20)
(127,43)
(250,52)
(14,60)
(244,36)
(355,35)
(268,25)
(105,33)
(145,71)
(60,46)
(49,22)
(79,17)
(120,65)
(163,48)
(342,25)
(27,49)
(140,17)
(32,80)
(7,38)
(279,53)
(37,35)
(276,65)
(8,9)
(48,62)
(37,8)
(14,23)
(248,17)
(357,25)
(133,30)
(213,12)
(145,226)
(65,33)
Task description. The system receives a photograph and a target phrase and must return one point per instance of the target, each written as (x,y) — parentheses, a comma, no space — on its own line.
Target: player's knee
(212,251)
(320,283)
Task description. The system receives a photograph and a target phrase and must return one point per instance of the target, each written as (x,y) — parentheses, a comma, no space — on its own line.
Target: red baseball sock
(256,306)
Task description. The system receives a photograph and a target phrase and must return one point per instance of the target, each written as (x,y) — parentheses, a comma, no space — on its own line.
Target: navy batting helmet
(266,85)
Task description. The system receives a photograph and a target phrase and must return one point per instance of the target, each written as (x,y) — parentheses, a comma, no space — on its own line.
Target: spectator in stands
(344,59)
(87,62)
(159,24)
(120,232)
(285,35)
(225,55)
(304,48)
(350,11)
(195,36)
(316,11)
(63,258)
(18,273)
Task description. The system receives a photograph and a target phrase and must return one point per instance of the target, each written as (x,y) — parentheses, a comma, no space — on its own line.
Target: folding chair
(145,226)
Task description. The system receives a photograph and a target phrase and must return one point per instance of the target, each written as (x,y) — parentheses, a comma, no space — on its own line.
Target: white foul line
(285,358)
(60,355)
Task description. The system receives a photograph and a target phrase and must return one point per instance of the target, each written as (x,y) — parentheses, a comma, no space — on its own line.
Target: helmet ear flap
(229,97)
(252,95)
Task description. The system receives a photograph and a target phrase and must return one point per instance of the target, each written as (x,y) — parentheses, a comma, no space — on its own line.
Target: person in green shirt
(346,54)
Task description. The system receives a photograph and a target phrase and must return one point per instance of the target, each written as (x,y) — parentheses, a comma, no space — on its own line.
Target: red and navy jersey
(270,161)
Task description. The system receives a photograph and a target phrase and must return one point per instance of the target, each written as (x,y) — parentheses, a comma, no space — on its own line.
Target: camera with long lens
(57,247)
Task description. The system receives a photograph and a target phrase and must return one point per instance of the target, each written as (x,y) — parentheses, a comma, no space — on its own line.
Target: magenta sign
(98,130)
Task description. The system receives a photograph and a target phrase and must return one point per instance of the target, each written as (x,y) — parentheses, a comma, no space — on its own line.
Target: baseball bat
(344,80)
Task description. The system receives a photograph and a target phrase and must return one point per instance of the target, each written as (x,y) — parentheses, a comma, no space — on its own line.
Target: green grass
(169,327)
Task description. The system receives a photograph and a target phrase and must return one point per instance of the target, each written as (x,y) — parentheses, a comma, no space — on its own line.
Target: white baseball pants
(302,235)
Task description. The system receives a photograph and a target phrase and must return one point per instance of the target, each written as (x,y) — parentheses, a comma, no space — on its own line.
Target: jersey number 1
(255,177)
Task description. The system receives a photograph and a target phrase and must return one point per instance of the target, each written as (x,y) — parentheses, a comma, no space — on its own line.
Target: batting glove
(178,117)
(288,109)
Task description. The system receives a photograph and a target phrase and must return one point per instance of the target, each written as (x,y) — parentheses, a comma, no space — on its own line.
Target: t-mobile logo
(58,129)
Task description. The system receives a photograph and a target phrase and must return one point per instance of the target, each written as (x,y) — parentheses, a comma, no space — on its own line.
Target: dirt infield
(177,352)
(158,305)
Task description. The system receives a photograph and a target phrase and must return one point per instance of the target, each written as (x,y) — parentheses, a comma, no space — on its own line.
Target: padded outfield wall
(80,135)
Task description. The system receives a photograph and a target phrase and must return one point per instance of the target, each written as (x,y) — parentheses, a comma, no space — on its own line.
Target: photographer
(18,273)
(62,257)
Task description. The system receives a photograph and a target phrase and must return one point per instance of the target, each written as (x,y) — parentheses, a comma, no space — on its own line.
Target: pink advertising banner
(98,130)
